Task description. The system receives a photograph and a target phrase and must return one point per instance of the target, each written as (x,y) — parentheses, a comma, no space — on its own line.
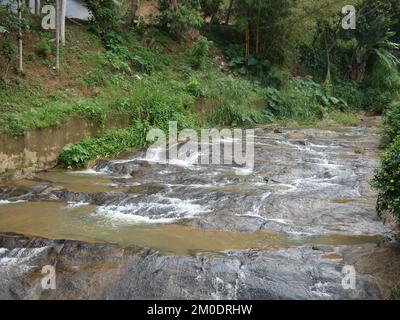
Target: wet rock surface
(305,183)
(105,271)
(316,183)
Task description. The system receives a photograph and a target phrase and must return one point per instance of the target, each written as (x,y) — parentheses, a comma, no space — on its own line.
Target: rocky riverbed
(135,228)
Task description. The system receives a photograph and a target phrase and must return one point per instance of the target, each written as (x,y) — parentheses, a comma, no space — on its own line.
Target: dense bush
(14,124)
(104,13)
(227,114)
(125,51)
(9,50)
(301,100)
(108,144)
(178,20)
(50,115)
(199,52)
(43,48)
(349,91)
(195,89)
(232,89)
(381,86)
(391,122)
(158,104)
(387,181)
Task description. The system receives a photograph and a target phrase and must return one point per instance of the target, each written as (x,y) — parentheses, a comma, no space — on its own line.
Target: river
(135,228)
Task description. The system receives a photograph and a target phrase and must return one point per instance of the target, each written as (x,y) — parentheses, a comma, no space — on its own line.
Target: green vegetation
(395,293)
(391,122)
(387,178)
(387,181)
(301,99)
(344,119)
(381,86)
(109,144)
(207,63)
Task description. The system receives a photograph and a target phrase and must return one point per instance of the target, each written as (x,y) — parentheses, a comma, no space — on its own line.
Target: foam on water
(157,155)
(73,204)
(88,172)
(11,202)
(153,209)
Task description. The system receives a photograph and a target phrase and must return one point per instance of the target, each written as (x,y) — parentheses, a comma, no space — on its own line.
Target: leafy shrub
(254,65)
(199,52)
(194,88)
(14,124)
(119,55)
(391,122)
(227,114)
(381,86)
(43,48)
(232,51)
(300,99)
(395,293)
(9,50)
(277,77)
(97,78)
(104,13)
(276,105)
(387,181)
(49,115)
(251,66)
(158,102)
(145,63)
(186,17)
(108,144)
(91,110)
(350,92)
(230,88)
(113,42)
(117,63)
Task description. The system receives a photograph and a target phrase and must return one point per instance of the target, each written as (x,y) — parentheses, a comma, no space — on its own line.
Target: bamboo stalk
(258,28)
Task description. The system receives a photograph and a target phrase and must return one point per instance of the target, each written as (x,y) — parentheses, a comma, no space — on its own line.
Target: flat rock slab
(104,271)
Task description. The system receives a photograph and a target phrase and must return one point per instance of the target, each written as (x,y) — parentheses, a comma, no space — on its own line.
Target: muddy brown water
(306,210)
(308,187)
(56,220)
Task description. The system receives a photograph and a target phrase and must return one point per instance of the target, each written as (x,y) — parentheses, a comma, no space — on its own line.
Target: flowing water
(56,220)
(305,183)
(309,188)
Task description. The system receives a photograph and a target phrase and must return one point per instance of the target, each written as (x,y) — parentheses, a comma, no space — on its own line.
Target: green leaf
(252,61)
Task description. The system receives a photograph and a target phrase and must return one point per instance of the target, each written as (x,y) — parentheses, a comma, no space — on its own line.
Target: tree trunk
(174,5)
(63,11)
(37,7)
(228,16)
(135,5)
(58,10)
(357,71)
(328,63)
(20,47)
